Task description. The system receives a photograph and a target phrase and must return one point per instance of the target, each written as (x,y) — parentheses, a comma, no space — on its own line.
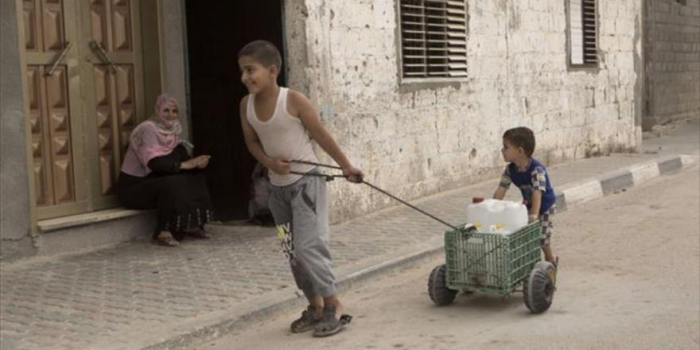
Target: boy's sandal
(306,322)
(330,325)
(167,241)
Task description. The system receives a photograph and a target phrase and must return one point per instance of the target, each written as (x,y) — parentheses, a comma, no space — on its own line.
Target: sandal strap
(305,322)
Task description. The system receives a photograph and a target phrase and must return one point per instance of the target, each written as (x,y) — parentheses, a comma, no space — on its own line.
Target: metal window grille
(434,38)
(583,32)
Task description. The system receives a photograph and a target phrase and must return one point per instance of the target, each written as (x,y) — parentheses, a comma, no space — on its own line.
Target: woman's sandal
(168,241)
(306,322)
(329,325)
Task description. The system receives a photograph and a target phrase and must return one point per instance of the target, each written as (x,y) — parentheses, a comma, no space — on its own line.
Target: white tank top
(283,136)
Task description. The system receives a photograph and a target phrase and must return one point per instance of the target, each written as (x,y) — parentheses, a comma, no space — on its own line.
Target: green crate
(491,262)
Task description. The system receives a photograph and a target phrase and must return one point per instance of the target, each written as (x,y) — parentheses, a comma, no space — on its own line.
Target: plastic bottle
(496,216)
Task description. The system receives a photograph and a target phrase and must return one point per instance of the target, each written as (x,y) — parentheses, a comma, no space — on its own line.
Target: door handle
(59,59)
(102,54)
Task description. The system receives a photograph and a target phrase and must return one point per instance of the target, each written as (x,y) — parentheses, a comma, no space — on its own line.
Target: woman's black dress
(180,197)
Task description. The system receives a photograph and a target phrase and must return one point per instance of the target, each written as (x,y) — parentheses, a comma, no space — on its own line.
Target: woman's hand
(279,166)
(200,162)
(353,174)
(533,217)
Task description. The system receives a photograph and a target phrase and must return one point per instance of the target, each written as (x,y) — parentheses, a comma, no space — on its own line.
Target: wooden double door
(83,61)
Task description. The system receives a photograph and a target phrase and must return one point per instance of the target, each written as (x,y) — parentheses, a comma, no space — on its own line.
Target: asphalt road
(629,279)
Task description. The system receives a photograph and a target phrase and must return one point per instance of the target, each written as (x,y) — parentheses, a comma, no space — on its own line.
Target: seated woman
(159,173)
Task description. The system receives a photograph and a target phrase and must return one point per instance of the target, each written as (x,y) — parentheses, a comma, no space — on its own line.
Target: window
(583,32)
(433,38)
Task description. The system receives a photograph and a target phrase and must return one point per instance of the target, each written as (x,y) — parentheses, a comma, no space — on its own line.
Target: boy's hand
(533,217)
(353,174)
(280,166)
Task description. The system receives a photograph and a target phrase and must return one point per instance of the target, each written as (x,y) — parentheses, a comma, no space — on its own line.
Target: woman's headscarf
(164,125)
(153,138)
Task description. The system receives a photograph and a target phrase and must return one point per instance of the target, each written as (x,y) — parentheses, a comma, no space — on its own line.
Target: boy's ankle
(315,310)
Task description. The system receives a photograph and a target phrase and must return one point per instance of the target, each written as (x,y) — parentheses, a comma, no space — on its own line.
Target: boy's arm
(279,166)
(312,122)
(503,185)
(500,193)
(535,203)
(539,186)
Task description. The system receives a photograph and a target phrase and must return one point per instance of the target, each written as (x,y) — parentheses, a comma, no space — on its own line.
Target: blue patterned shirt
(535,177)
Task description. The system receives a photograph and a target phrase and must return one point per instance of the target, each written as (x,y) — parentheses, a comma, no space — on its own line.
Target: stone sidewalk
(142,296)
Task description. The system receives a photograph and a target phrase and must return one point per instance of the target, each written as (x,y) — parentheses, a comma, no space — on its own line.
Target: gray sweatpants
(301,215)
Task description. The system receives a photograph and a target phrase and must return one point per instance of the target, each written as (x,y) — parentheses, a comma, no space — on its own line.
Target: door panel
(117,78)
(43,25)
(103,113)
(73,90)
(52,25)
(42,183)
(126,105)
(48,102)
(51,136)
(59,126)
(116,117)
(112,24)
(30,24)
(121,25)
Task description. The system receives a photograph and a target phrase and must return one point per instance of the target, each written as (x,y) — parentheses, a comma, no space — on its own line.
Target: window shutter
(576,31)
(457,38)
(413,38)
(434,38)
(583,32)
(590,54)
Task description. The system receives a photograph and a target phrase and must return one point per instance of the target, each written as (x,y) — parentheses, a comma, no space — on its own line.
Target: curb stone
(619,180)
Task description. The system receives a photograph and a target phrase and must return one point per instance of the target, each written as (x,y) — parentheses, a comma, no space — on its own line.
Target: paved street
(630,279)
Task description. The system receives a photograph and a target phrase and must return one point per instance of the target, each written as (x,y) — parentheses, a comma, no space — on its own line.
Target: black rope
(331,177)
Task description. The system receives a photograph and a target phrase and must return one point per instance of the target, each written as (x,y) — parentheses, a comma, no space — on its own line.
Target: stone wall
(672,54)
(415,139)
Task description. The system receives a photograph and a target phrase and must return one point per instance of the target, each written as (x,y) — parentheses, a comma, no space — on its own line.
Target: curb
(570,196)
(616,181)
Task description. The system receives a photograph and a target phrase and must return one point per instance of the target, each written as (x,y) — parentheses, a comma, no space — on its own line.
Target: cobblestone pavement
(84,301)
(108,298)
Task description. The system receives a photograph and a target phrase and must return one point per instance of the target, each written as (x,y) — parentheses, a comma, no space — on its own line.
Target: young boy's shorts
(546,222)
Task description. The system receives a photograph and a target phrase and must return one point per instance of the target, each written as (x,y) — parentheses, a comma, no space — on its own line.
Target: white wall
(415,139)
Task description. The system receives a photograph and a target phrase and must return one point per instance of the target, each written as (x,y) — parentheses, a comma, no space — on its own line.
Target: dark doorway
(216,31)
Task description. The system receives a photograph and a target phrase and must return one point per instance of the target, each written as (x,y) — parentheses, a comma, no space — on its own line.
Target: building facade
(417,93)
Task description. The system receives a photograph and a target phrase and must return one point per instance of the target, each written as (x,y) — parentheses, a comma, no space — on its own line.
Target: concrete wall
(415,139)
(15,219)
(672,53)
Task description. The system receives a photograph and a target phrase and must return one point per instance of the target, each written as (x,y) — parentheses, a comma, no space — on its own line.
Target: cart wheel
(538,288)
(437,287)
